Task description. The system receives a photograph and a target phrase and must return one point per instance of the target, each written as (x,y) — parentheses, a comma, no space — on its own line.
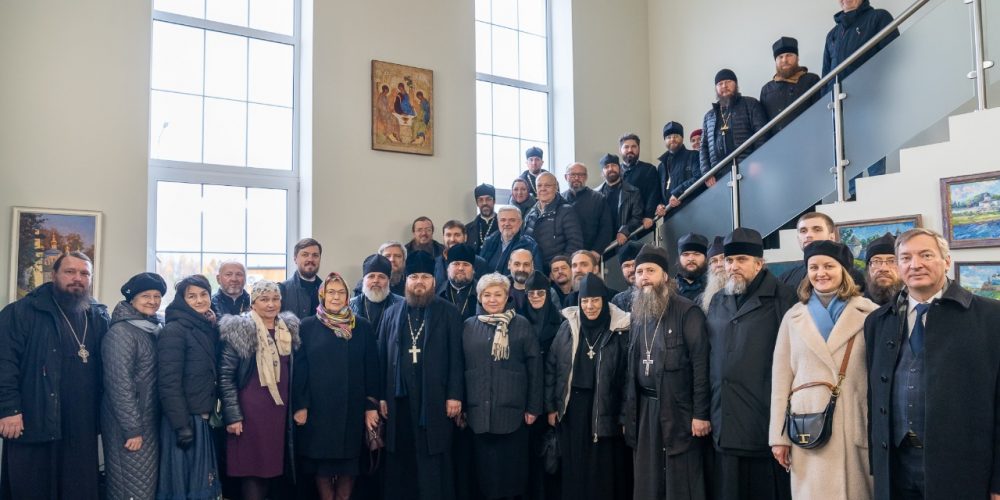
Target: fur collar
(240,332)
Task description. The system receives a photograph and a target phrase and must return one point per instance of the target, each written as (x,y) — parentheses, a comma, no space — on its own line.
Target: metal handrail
(795,105)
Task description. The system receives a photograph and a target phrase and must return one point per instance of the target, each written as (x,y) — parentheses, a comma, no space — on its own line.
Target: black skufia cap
(420,262)
(716,248)
(485,190)
(376,263)
(744,241)
(885,244)
(628,251)
(673,128)
(692,242)
(784,45)
(533,152)
(653,255)
(460,253)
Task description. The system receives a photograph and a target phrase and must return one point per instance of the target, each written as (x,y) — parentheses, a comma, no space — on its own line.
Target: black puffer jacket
(747,117)
(595,217)
(31,362)
(679,169)
(556,230)
(779,93)
(853,29)
(187,353)
(238,335)
(611,370)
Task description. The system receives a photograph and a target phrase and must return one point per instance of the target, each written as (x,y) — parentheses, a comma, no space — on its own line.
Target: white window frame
(503,192)
(237,176)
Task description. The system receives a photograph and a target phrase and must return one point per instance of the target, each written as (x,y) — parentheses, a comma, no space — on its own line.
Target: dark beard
(71,301)
(724,102)
(395,277)
(650,304)
(460,283)
(415,300)
(882,295)
(696,274)
(520,277)
(788,73)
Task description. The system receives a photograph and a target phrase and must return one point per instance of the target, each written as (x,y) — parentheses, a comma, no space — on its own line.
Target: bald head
(576,176)
(547,187)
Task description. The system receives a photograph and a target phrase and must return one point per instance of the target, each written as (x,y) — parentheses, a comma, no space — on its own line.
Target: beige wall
(74,102)
(690,41)
(363,197)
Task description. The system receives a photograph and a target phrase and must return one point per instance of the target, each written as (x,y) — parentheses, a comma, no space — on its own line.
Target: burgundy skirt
(260,450)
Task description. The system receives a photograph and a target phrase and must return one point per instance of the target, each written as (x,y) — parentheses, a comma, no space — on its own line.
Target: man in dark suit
(933,382)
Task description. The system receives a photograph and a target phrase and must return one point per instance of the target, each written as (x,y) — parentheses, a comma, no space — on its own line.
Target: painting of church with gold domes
(41,236)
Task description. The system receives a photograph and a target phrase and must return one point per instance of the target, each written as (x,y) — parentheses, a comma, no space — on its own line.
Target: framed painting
(858,234)
(980,278)
(971,206)
(402,108)
(40,235)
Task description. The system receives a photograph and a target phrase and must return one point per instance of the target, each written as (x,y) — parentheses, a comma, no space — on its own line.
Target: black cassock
(466,485)
(421,352)
(661,402)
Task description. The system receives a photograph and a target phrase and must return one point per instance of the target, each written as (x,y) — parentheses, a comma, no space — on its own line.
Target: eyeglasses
(882,262)
(577,175)
(536,294)
(337,293)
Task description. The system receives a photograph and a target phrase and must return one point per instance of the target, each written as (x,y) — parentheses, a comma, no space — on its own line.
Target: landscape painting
(402,108)
(980,278)
(858,234)
(971,205)
(40,236)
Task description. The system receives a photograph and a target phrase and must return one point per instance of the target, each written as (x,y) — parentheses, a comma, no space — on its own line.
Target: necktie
(917,334)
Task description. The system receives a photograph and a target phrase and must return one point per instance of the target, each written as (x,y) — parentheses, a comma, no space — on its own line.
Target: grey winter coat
(130,406)
(556,229)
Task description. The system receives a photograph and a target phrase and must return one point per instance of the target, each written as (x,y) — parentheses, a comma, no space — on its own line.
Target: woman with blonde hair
(819,358)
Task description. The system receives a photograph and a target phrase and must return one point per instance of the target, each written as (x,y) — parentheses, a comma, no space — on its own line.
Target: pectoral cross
(83,353)
(413,352)
(648,362)
(590,353)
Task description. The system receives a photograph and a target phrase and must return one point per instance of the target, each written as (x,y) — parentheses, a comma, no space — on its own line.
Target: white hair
(509,208)
(390,244)
(492,279)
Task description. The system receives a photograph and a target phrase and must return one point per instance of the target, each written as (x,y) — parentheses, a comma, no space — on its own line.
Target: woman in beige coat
(811,344)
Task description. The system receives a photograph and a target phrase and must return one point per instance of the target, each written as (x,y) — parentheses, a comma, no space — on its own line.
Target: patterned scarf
(341,322)
(269,352)
(501,347)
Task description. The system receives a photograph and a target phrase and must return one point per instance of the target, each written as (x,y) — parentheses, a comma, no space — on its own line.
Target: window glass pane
(483,10)
(484,48)
(175,126)
(484,107)
(178,217)
(225,65)
(505,109)
(268,267)
(506,166)
(504,52)
(273,15)
(505,13)
(532,58)
(534,115)
(271,71)
(484,159)
(192,8)
(225,132)
(227,11)
(173,267)
(531,16)
(266,214)
(224,216)
(269,137)
(177,58)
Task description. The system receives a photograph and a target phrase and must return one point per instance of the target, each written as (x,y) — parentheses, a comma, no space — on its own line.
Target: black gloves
(185,437)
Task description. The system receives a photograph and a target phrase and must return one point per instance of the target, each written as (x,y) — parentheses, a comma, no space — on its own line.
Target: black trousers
(48,471)
(907,473)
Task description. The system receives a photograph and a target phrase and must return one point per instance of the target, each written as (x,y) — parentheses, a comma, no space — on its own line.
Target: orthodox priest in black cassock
(421,352)
(742,324)
(50,375)
(667,393)
(584,375)
(485,223)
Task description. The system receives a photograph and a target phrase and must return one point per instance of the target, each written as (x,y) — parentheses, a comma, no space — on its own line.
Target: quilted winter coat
(130,406)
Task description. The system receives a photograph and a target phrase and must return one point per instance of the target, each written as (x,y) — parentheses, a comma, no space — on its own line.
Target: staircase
(916,188)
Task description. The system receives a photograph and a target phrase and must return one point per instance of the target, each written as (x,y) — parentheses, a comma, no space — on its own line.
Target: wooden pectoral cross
(414,351)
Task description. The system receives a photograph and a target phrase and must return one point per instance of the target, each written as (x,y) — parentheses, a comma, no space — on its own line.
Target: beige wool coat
(839,469)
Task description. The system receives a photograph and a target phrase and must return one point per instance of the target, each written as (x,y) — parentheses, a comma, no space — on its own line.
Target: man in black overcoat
(933,382)
(790,82)
(421,353)
(742,324)
(50,386)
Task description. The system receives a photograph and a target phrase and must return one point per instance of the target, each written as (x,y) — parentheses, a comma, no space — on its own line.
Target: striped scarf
(501,346)
(341,322)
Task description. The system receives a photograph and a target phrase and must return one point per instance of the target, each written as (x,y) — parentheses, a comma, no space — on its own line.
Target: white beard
(374,296)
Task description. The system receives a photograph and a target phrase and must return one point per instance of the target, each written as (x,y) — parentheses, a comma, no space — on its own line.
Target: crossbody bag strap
(835,389)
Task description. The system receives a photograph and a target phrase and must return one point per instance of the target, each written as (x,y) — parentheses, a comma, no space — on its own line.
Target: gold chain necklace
(414,350)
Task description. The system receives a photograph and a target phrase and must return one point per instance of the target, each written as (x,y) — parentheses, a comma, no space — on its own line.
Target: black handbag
(550,451)
(812,430)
